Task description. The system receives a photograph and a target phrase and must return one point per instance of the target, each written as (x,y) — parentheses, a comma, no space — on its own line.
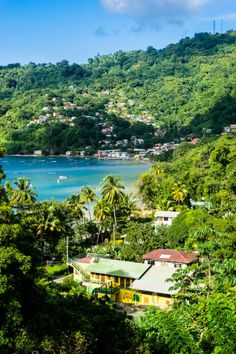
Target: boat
(61,178)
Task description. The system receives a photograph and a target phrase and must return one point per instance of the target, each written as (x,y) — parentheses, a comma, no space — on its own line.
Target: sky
(43,31)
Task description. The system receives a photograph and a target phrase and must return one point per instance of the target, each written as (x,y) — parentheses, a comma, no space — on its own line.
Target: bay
(44,173)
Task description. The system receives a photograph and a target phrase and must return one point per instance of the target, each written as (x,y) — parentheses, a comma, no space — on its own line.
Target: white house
(165,217)
(170,258)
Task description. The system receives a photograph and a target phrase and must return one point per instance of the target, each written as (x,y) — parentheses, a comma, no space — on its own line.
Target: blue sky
(52,30)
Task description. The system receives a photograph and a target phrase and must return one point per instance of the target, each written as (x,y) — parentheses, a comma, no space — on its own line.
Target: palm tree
(101,212)
(76,205)
(22,196)
(49,218)
(113,194)
(88,195)
(50,224)
(129,205)
(179,193)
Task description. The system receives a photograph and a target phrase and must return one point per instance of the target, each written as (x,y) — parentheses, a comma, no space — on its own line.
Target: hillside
(186,88)
(205,172)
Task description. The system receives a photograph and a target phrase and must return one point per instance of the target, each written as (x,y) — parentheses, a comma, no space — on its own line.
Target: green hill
(202,172)
(186,88)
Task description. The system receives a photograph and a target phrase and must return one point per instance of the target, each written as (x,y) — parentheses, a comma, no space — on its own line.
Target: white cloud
(158,10)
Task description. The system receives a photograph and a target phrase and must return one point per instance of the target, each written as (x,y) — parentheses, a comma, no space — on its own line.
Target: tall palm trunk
(114,226)
(99,233)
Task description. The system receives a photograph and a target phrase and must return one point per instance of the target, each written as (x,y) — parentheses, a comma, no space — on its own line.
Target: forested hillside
(188,87)
(205,172)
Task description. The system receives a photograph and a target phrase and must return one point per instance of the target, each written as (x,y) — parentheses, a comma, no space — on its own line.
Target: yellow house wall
(127,296)
(115,281)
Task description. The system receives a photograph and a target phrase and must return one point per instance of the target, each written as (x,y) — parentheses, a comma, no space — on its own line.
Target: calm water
(45,171)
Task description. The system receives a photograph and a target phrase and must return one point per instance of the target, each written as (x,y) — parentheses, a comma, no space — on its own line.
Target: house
(69,105)
(170,258)
(46,108)
(38,152)
(121,281)
(195,140)
(233,128)
(165,217)
(42,119)
(70,153)
(154,288)
(200,204)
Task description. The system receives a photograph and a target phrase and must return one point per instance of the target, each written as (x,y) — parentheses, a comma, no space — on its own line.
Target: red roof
(166,255)
(85,260)
(195,140)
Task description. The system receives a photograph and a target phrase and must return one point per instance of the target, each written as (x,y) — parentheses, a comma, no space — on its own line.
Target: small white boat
(61,178)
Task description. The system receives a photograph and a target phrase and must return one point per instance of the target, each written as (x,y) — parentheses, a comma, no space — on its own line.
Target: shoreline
(146,161)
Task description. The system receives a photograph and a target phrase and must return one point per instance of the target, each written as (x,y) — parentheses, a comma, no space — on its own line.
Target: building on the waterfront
(165,217)
(170,258)
(38,152)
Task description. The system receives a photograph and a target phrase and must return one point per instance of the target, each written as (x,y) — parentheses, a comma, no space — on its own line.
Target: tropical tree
(22,197)
(127,207)
(50,224)
(76,206)
(179,193)
(88,196)
(113,194)
(101,213)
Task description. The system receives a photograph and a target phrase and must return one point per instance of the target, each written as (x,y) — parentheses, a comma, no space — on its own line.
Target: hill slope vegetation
(186,88)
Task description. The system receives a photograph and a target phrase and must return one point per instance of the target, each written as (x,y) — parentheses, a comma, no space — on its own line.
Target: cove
(59,177)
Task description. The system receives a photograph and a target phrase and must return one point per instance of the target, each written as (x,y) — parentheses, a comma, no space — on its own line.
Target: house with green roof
(121,281)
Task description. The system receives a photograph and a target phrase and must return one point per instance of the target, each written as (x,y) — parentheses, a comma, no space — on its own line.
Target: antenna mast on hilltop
(221,26)
(214,27)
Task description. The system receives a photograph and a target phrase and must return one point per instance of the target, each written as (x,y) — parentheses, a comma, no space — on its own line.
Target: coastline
(145,161)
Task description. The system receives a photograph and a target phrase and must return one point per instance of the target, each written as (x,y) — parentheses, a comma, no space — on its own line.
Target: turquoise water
(45,171)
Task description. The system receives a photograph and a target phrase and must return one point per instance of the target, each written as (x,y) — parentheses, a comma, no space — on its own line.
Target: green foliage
(205,172)
(141,239)
(186,88)
(205,327)
(37,315)
(57,269)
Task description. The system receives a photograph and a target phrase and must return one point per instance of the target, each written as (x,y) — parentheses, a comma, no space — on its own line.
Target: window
(128,282)
(176,265)
(146,300)
(96,276)
(166,218)
(122,282)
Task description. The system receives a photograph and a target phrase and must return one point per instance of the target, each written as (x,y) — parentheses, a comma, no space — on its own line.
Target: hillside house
(126,282)
(233,128)
(165,217)
(170,258)
(195,140)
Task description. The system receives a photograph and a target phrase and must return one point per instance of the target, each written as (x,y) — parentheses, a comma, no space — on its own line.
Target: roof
(168,214)
(118,268)
(154,280)
(195,140)
(168,255)
(85,260)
